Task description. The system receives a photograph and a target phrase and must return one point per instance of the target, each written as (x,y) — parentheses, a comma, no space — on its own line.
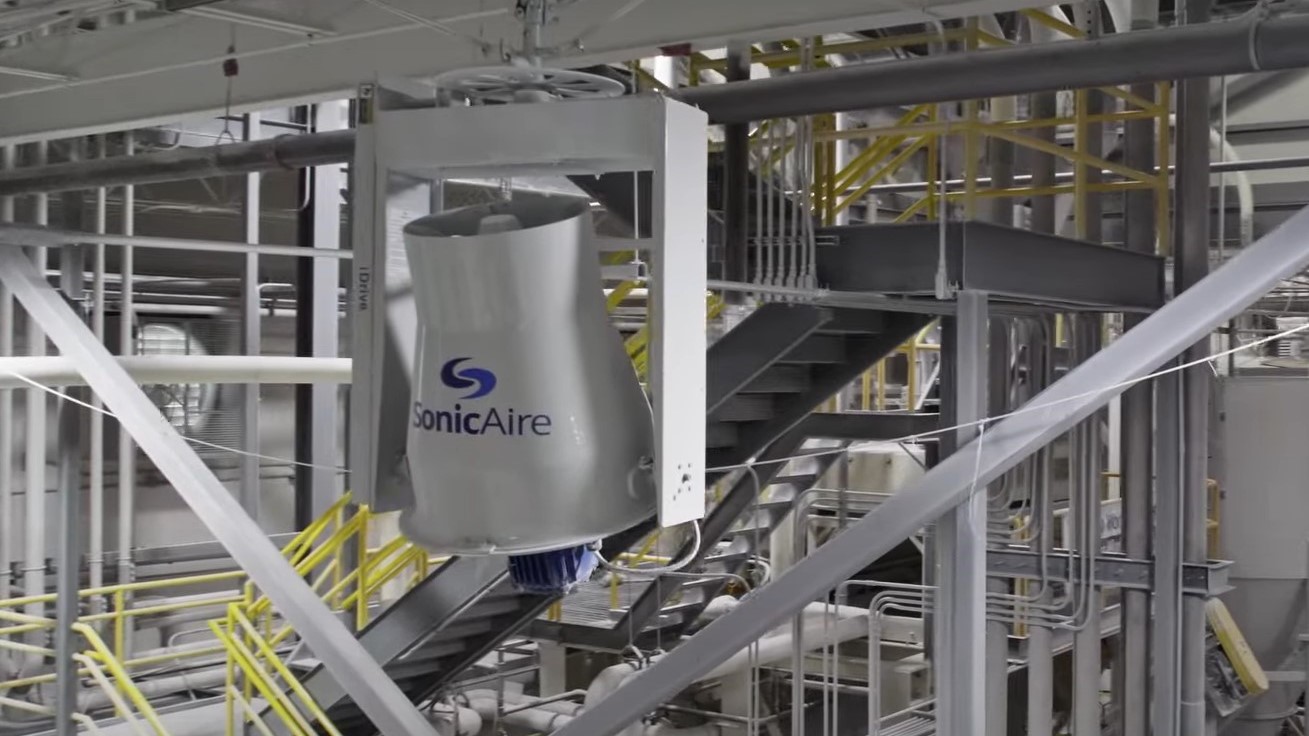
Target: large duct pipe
(1204,50)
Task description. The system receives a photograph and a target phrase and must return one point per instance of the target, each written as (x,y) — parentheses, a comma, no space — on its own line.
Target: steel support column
(384,703)
(317,327)
(1137,419)
(1191,265)
(68,563)
(959,642)
(1165,638)
(998,375)
(1086,328)
(1084,472)
(1192,315)
(1040,642)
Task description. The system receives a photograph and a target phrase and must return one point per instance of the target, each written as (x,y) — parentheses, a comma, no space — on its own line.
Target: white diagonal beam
(1183,322)
(360,676)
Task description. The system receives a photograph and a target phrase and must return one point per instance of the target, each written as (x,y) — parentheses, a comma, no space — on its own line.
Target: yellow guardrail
(334,556)
(332,552)
(94,662)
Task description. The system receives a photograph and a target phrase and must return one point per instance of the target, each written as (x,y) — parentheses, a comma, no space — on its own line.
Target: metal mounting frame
(407,146)
(1111,571)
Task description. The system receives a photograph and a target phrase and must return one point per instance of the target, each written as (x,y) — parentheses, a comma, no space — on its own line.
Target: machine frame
(407,145)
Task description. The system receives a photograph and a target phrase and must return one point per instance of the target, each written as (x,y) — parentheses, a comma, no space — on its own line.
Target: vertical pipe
(96,491)
(960,623)
(997,632)
(8,530)
(126,346)
(1166,630)
(250,334)
(736,180)
(1087,664)
(1040,659)
(1137,412)
(1086,641)
(1191,264)
(1000,165)
(68,563)
(1044,105)
(35,457)
(840,160)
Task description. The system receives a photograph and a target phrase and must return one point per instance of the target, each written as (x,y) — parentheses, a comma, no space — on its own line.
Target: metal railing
(97,662)
(332,551)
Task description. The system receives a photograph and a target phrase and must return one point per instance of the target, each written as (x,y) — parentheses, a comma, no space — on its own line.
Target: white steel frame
(401,157)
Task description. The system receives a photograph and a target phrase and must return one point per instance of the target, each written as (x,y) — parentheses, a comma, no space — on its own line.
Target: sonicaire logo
(503,421)
(454,377)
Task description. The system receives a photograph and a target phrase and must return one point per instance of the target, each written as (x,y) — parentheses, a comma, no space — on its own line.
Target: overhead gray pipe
(1204,50)
(282,152)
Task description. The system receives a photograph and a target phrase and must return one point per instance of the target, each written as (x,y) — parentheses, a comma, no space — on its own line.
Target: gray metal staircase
(764,377)
(840,346)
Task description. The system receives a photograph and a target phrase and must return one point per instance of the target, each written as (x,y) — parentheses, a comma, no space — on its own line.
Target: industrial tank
(1262,468)
(528,429)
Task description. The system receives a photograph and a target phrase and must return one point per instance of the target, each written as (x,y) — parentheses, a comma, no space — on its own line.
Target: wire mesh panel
(202,411)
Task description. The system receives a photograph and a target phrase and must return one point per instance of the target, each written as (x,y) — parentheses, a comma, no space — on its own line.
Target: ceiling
(93,73)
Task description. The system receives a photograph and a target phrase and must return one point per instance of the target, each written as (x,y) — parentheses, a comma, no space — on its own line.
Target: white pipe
(718,607)
(487,705)
(95,553)
(818,631)
(543,719)
(34,469)
(7,532)
(126,447)
(149,369)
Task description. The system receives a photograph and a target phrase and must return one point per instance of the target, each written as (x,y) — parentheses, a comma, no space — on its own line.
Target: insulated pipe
(152,369)
(819,631)
(1203,50)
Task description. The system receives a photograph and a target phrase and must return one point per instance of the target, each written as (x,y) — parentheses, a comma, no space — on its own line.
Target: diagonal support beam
(329,639)
(1184,321)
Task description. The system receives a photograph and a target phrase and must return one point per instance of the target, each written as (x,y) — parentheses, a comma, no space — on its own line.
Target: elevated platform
(1009,264)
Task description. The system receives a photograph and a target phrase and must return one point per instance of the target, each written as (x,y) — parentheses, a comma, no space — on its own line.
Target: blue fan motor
(555,572)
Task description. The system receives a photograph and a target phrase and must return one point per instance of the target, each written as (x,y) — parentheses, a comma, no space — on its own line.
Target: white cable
(687,559)
(749,464)
(434,25)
